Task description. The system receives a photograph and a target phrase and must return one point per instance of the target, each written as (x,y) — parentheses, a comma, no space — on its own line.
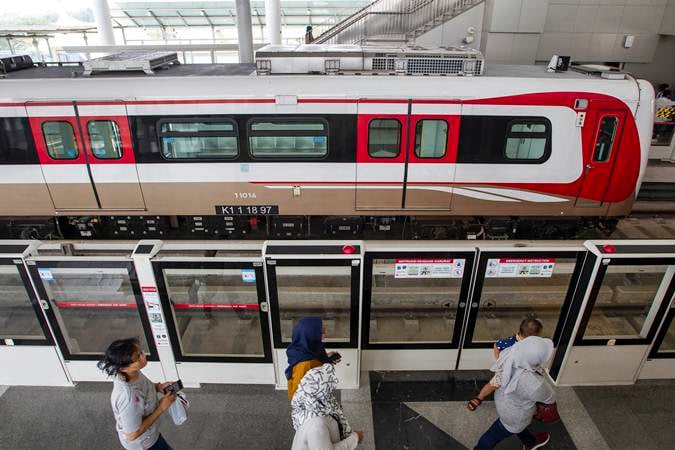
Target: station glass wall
(411,310)
(506,301)
(315,291)
(93,307)
(215,312)
(17,315)
(624,301)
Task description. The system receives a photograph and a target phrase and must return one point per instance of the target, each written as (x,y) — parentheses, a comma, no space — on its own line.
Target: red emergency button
(608,248)
(348,249)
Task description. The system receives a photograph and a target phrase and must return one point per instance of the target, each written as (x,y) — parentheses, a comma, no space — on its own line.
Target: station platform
(396,410)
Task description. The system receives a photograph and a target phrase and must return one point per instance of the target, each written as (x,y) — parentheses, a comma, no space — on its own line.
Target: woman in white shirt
(134,397)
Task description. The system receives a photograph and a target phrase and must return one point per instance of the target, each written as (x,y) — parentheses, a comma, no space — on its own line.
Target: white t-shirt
(131,403)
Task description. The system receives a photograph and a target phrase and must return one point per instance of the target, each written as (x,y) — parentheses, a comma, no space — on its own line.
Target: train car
(233,151)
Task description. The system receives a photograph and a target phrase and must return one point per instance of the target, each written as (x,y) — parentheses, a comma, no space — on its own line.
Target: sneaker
(541,440)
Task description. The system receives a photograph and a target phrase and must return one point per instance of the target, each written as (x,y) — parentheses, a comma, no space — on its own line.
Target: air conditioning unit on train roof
(358,60)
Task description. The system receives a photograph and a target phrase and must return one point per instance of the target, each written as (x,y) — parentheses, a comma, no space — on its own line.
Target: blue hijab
(306,343)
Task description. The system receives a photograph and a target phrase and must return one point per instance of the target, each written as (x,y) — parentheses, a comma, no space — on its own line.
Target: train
(235,152)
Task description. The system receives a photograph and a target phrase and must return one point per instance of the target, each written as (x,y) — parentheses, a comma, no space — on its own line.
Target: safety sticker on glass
(248,276)
(46,274)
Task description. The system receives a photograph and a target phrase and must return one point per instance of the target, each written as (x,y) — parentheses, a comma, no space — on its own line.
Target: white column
(106,36)
(244,32)
(273,21)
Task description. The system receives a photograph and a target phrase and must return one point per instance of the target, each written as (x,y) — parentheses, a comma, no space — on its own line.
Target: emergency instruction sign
(520,268)
(429,268)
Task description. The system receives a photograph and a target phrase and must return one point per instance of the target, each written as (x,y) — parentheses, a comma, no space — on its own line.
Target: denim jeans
(160,444)
(498,433)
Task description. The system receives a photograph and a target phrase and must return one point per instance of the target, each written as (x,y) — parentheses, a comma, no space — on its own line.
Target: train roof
(230,70)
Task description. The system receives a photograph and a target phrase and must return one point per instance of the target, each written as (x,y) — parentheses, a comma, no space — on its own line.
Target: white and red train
(210,151)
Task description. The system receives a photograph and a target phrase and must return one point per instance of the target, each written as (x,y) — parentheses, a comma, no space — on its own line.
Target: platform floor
(396,410)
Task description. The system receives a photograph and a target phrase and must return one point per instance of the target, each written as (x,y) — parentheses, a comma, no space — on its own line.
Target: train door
(90,302)
(623,296)
(429,174)
(316,279)
(515,284)
(28,355)
(56,133)
(600,157)
(216,315)
(381,148)
(414,303)
(86,155)
(110,155)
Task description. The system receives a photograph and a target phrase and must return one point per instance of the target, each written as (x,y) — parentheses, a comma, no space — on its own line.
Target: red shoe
(541,440)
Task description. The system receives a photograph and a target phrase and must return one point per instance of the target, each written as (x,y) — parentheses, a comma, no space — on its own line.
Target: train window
(526,140)
(104,139)
(605,139)
(16,143)
(504,140)
(431,138)
(198,139)
(384,138)
(288,138)
(60,140)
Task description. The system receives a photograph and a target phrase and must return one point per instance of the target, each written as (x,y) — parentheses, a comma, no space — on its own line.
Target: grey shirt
(516,409)
(131,403)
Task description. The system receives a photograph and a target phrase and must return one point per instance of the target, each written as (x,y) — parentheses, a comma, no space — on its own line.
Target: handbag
(547,413)
(179,409)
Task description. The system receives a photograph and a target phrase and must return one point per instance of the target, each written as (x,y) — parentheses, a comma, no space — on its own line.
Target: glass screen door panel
(667,345)
(624,302)
(323,291)
(18,319)
(411,310)
(215,311)
(506,300)
(93,307)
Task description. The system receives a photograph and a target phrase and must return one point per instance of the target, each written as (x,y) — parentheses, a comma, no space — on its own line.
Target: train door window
(104,139)
(407,307)
(288,138)
(526,140)
(215,311)
(17,315)
(518,288)
(315,291)
(431,138)
(384,138)
(93,307)
(60,140)
(198,139)
(605,139)
(623,302)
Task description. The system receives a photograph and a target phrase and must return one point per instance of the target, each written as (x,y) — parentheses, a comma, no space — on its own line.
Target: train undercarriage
(304,227)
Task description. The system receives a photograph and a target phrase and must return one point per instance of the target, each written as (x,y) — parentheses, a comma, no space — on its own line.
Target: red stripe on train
(234,306)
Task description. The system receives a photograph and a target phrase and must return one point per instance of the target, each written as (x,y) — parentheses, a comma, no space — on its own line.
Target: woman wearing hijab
(523,385)
(305,352)
(318,419)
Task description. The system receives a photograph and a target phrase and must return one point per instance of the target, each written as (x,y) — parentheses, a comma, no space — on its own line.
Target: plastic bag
(179,409)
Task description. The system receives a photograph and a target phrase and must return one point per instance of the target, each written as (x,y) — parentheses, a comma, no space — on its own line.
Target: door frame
(39,263)
(161,264)
(465,289)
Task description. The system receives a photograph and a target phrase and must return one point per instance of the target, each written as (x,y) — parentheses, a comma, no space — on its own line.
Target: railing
(401,20)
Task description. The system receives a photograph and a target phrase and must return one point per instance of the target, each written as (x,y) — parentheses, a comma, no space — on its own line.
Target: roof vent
(131,61)
(357,60)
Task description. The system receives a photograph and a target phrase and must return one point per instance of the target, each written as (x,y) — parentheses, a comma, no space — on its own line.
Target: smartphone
(174,387)
(335,357)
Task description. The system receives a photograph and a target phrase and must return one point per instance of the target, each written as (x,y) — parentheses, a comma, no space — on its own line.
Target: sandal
(474,403)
